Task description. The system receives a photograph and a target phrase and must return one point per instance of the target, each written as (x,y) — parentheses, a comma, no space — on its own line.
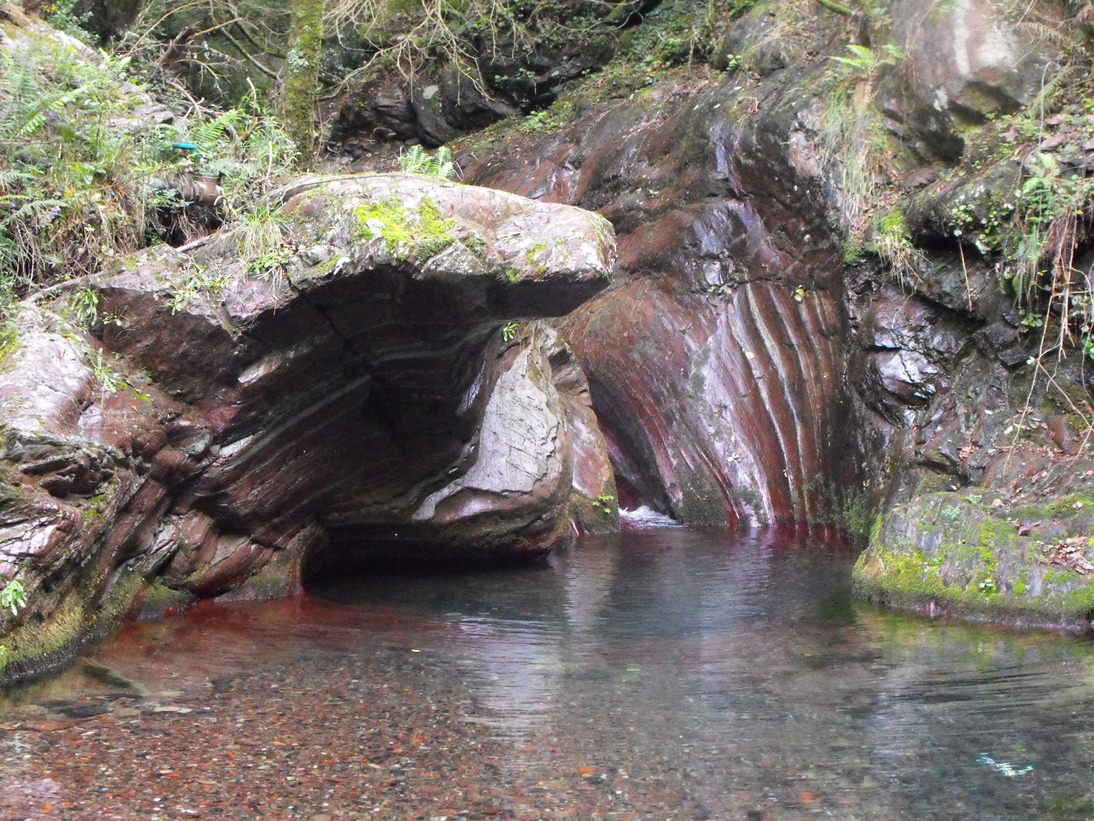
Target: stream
(655,674)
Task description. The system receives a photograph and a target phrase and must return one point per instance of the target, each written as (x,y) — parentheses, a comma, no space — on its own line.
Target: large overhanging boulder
(349,375)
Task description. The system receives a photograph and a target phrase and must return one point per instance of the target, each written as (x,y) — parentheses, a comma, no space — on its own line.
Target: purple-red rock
(246,422)
(717,365)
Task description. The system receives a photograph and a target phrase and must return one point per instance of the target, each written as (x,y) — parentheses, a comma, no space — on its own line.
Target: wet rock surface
(717,366)
(231,417)
(355,389)
(766,357)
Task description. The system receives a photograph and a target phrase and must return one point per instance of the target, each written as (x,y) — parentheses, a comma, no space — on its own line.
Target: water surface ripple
(659,674)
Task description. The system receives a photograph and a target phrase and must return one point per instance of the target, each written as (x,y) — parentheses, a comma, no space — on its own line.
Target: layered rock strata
(254,406)
(820,319)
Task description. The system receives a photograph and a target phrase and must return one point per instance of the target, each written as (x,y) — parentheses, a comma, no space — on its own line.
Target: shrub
(83,176)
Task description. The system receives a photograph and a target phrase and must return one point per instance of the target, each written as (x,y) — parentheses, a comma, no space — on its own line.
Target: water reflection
(741,667)
(705,672)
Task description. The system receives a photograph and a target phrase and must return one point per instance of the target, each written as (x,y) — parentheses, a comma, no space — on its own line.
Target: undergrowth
(855,146)
(1034,231)
(85,176)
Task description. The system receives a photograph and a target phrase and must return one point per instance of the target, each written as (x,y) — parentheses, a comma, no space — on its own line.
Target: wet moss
(9,341)
(436,231)
(911,581)
(386,219)
(94,510)
(159,598)
(279,577)
(31,644)
(908,576)
(941,550)
(1021,583)
(325,267)
(533,256)
(1081,601)
(1060,508)
(858,516)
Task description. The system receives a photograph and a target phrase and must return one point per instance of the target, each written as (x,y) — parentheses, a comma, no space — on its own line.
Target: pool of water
(651,675)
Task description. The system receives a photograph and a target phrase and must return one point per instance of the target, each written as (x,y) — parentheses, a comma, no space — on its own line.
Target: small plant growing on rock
(605,503)
(262,242)
(509,331)
(13,597)
(866,59)
(855,144)
(197,283)
(548,120)
(439,164)
(893,244)
(108,378)
(84,306)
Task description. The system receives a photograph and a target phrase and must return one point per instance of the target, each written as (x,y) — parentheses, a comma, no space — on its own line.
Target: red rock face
(717,365)
(361,404)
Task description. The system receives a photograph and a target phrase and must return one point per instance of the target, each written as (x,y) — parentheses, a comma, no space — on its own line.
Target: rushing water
(657,674)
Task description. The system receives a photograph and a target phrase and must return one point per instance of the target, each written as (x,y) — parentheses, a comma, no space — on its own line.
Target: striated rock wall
(241,424)
(718,362)
(851,280)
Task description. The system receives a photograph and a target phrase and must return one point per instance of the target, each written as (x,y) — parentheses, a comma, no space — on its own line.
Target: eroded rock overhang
(384,384)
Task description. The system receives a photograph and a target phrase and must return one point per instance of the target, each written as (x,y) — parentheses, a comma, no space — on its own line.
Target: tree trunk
(302,74)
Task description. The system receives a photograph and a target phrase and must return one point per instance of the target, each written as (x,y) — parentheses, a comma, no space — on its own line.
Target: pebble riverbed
(663,674)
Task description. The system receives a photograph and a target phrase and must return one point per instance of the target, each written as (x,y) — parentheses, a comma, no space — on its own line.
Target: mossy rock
(159,599)
(9,342)
(42,642)
(419,234)
(595,514)
(949,552)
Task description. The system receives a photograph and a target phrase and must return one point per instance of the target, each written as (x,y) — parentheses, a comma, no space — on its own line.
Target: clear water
(661,674)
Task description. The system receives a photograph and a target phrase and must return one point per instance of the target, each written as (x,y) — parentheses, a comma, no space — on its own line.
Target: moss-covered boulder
(951,552)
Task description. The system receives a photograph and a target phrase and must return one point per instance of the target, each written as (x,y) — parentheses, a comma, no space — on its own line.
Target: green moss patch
(9,341)
(418,235)
(32,643)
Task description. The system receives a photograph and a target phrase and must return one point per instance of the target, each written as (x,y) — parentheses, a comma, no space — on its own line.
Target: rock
(753,42)
(511,78)
(720,392)
(452,105)
(255,417)
(739,363)
(949,552)
(510,497)
(910,344)
(594,503)
(964,62)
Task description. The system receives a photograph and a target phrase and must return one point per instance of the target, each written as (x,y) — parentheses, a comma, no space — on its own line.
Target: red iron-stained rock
(356,402)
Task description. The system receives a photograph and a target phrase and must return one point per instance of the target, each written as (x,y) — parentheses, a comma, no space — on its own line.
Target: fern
(439,164)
